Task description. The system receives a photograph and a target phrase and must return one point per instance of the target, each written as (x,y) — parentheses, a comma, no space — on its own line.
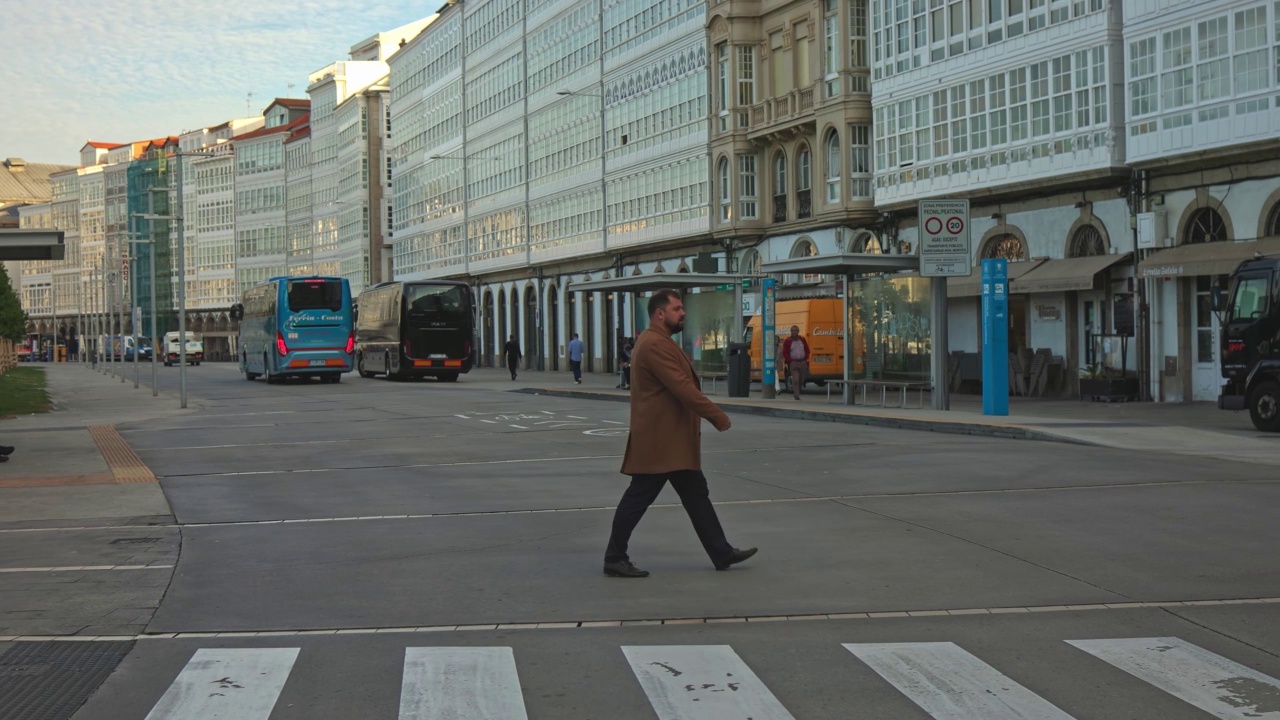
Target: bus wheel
(1264,407)
(266,369)
(360,367)
(448,377)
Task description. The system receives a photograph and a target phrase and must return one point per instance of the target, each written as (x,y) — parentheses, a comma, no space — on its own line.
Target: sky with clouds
(79,70)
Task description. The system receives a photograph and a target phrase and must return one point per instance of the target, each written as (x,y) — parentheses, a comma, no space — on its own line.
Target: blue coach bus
(297,327)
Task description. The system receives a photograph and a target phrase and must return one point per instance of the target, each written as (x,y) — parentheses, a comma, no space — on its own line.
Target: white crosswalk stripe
(701,682)
(462,683)
(1221,687)
(220,684)
(951,684)
(712,682)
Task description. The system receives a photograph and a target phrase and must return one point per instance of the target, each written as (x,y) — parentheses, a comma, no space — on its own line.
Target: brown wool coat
(667,405)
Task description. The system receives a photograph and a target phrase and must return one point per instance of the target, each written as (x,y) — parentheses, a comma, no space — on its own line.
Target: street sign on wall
(944,238)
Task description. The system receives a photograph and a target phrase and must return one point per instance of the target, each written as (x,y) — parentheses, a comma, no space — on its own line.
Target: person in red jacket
(795,353)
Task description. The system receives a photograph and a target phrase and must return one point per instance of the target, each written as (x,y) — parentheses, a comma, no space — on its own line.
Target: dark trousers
(691,486)
(511,365)
(576,367)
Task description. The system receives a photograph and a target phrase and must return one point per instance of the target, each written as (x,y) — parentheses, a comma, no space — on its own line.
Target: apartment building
(537,145)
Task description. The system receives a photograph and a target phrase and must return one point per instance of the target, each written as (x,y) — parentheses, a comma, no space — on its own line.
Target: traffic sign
(944,238)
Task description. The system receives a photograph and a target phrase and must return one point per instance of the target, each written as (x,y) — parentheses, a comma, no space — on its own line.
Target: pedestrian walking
(796,351)
(575,358)
(628,346)
(665,443)
(511,352)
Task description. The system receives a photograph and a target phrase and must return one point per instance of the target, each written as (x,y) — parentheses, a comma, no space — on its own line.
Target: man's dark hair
(661,299)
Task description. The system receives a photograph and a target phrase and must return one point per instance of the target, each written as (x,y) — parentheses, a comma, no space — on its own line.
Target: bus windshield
(1249,300)
(314,294)
(437,305)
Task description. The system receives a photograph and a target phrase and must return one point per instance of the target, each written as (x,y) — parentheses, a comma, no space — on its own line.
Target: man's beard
(674,327)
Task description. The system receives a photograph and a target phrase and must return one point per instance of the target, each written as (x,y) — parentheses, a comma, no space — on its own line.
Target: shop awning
(656,281)
(1217,258)
(843,264)
(971,285)
(1066,274)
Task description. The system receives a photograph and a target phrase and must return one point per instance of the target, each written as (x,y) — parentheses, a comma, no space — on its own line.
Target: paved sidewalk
(1195,429)
(80,552)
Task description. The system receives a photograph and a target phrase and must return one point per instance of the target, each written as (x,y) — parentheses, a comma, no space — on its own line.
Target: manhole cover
(51,680)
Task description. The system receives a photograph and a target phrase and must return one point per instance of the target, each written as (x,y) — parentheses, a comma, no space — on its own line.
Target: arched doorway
(1012,248)
(553,329)
(486,328)
(612,331)
(1204,226)
(1090,304)
(531,327)
(501,310)
(570,318)
(589,332)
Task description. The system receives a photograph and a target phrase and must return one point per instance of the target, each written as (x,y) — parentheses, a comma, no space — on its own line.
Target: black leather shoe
(6,449)
(624,568)
(735,557)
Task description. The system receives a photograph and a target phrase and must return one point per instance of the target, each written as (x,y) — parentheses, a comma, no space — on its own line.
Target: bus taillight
(280,346)
(408,349)
(351,344)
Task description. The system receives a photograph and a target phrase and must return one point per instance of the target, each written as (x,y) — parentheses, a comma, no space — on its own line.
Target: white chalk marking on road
(613,422)
(1221,687)
(477,683)
(77,568)
(701,682)
(491,422)
(949,683)
(576,417)
(522,427)
(464,417)
(221,684)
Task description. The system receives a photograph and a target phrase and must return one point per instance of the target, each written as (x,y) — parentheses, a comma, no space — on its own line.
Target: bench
(714,377)
(898,386)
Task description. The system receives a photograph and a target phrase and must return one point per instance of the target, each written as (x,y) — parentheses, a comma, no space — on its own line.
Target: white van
(172,351)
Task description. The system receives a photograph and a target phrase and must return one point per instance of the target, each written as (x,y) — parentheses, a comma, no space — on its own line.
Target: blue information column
(769,376)
(995,337)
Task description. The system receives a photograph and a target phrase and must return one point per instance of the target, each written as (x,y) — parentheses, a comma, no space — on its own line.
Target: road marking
(220,684)
(76,568)
(613,422)
(522,427)
(491,422)
(949,683)
(1221,687)
(477,683)
(464,417)
(576,417)
(701,682)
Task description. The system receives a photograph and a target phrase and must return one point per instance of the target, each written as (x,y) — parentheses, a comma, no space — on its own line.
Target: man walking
(665,443)
(795,352)
(575,358)
(511,351)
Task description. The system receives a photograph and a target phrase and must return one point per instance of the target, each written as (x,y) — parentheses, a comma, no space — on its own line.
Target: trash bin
(739,370)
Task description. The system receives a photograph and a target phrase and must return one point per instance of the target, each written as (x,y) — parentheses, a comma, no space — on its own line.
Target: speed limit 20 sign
(944,238)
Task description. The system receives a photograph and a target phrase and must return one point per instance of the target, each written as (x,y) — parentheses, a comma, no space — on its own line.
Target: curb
(1008,432)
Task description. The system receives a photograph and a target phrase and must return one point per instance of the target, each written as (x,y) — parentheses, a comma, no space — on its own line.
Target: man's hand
(722,423)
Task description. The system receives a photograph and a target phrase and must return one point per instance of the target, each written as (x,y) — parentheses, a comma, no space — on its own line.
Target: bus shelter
(712,319)
(847,266)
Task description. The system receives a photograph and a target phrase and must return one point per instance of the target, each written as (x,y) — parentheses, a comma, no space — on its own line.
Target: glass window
(315,294)
(747,186)
(746,75)
(804,170)
(1250,298)
(723,173)
(833,167)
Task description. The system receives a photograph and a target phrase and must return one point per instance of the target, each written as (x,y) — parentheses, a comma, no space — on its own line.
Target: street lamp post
(151,262)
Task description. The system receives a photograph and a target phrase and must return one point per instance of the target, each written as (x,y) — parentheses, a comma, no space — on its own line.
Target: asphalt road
(365,547)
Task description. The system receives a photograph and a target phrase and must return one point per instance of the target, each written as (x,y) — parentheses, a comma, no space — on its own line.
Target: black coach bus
(415,329)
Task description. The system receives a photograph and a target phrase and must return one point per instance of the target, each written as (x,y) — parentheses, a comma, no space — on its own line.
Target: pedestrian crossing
(712,682)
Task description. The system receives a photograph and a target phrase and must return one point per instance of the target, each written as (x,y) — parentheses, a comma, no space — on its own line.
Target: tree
(13,321)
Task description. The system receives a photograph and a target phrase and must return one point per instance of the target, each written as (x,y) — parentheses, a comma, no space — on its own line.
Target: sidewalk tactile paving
(125,464)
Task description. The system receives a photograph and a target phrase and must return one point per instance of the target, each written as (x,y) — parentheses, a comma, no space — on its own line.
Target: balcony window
(722,176)
(780,188)
(747,186)
(833,167)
